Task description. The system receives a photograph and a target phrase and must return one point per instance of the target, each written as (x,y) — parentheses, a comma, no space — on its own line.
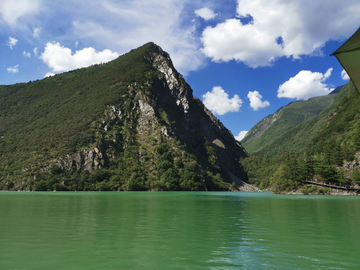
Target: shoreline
(333,192)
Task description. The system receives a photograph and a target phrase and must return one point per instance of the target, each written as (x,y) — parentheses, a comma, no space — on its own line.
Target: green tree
(280,180)
(136,182)
(190,180)
(333,152)
(41,186)
(307,167)
(323,169)
(355,176)
(357,140)
(170,178)
(292,167)
(55,169)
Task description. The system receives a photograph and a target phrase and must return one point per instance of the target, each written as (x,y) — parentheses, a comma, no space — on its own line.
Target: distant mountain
(324,148)
(292,127)
(336,90)
(130,124)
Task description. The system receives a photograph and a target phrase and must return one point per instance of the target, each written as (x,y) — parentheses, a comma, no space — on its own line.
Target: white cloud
(14,69)
(205,13)
(36,51)
(279,28)
(344,75)
(241,135)
(129,24)
(231,40)
(218,101)
(12,42)
(117,25)
(60,58)
(36,32)
(49,74)
(26,54)
(305,84)
(11,10)
(255,100)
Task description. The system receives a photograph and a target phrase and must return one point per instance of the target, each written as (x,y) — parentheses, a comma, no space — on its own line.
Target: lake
(178,230)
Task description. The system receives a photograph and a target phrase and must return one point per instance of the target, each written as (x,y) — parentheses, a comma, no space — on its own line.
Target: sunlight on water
(178,230)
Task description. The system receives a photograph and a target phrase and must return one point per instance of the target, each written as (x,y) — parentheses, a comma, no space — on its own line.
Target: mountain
(342,127)
(292,127)
(331,153)
(129,124)
(336,90)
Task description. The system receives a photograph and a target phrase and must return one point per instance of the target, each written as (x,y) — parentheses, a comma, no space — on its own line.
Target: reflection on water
(177,230)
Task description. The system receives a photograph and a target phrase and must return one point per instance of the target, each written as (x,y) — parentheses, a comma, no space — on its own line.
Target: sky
(243,58)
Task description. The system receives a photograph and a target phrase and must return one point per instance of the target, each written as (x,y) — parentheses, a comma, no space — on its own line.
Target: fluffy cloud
(129,24)
(26,54)
(205,13)
(117,25)
(255,100)
(11,10)
(279,28)
(232,40)
(14,69)
(241,135)
(344,75)
(218,101)
(12,42)
(305,84)
(60,58)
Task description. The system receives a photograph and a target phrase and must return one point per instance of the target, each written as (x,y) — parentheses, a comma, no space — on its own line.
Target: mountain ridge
(283,120)
(129,124)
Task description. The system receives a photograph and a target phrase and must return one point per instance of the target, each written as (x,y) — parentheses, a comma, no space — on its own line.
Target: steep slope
(332,153)
(299,136)
(130,124)
(342,127)
(269,129)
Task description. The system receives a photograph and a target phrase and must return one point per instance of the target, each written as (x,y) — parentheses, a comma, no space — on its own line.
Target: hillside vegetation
(293,126)
(332,155)
(130,124)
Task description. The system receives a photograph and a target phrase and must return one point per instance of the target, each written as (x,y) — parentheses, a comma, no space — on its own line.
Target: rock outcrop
(152,134)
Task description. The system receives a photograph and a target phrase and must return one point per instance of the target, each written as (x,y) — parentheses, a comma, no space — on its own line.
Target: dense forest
(330,156)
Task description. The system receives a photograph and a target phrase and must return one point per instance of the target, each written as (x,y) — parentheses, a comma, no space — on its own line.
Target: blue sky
(244,59)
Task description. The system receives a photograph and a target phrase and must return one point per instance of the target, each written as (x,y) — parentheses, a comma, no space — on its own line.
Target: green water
(178,230)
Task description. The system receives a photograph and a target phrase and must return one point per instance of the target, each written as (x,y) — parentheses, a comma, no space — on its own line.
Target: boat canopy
(349,57)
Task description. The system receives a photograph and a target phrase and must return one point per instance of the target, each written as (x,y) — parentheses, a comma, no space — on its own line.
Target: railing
(332,185)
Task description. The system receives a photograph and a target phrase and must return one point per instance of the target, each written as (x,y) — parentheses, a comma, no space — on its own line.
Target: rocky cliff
(133,124)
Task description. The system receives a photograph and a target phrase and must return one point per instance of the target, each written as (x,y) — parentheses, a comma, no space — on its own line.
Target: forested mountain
(130,124)
(331,155)
(292,127)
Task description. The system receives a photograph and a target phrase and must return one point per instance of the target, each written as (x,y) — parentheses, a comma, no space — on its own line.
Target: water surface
(178,230)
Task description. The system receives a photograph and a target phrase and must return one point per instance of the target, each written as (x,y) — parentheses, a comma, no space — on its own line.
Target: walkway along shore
(338,186)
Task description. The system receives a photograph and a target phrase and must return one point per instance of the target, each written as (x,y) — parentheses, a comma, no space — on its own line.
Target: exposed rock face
(186,118)
(196,117)
(152,135)
(243,186)
(83,160)
(349,166)
(162,62)
(262,126)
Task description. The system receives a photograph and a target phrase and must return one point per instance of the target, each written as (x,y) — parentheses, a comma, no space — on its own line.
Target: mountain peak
(129,124)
